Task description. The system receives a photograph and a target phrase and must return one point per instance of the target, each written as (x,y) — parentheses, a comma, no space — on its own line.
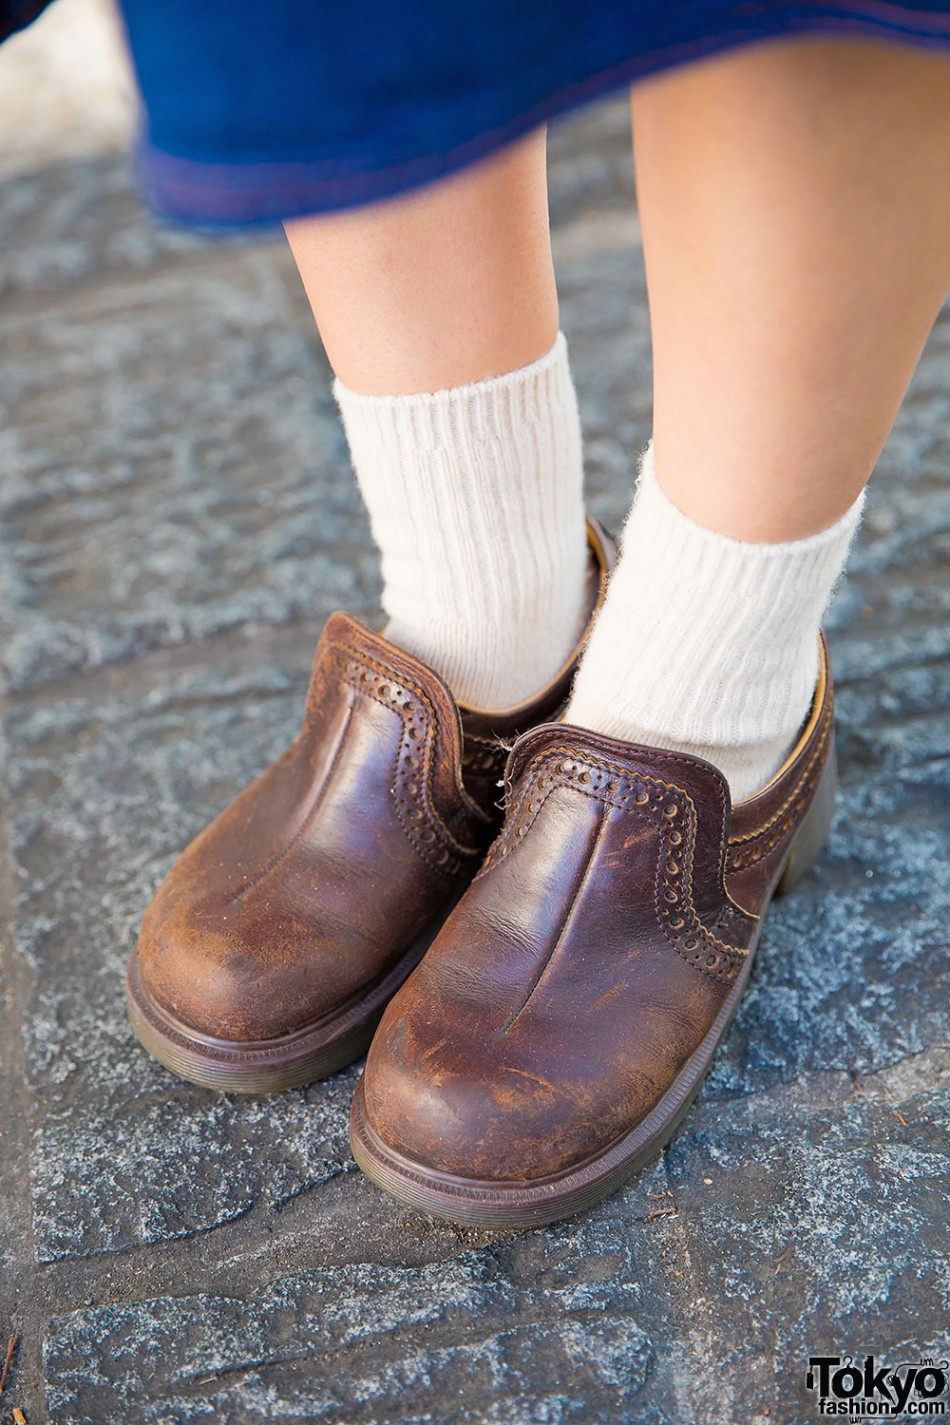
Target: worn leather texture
(338,859)
(590,956)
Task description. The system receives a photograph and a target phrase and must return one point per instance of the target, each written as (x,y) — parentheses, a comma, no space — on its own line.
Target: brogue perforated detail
(746,851)
(433,840)
(482,758)
(666,807)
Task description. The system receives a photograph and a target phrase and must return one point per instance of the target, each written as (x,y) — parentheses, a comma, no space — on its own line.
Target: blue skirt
(263,111)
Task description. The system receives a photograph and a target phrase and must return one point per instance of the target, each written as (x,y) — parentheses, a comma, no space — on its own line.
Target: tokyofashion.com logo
(857,1389)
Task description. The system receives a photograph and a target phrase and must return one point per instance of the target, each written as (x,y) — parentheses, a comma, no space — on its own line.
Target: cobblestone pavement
(176,521)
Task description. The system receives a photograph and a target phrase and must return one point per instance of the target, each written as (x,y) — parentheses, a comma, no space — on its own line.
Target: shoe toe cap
(199,969)
(456,1097)
(237,970)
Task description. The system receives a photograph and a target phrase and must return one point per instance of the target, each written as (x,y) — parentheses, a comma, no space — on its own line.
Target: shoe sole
(504,1205)
(265,1065)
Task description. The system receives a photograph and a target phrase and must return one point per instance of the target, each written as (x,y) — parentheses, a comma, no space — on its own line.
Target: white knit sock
(475,500)
(707,644)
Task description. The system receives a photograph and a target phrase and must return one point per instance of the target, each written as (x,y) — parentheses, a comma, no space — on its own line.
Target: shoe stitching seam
(454,849)
(338,648)
(795,796)
(786,813)
(563,926)
(457,853)
(284,851)
(734,955)
(618,770)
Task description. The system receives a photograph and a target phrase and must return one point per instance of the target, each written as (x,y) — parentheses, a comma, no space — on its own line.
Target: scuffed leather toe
(460,1084)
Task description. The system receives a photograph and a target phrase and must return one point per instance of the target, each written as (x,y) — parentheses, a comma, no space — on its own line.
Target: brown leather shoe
(275,941)
(562,1022)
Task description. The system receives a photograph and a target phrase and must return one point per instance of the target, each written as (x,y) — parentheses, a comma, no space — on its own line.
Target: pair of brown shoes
(581,963)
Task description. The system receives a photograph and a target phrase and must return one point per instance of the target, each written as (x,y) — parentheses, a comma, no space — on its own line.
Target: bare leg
(795,201)
(439,314)
(795,206)
(449,285)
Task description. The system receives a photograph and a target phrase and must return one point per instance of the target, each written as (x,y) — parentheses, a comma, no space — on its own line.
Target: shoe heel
(811,835)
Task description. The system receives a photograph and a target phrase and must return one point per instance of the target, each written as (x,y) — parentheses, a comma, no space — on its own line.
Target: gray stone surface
(176,520)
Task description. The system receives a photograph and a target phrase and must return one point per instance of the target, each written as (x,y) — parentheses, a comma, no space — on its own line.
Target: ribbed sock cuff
(708,644)
(475,499)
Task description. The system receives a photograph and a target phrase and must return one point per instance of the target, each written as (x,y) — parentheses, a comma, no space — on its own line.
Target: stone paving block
(448,1341)
(590,165)
(815,1222)
(70,224)
(852,968)
(775,1259)
(183,473)
(103,1182)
